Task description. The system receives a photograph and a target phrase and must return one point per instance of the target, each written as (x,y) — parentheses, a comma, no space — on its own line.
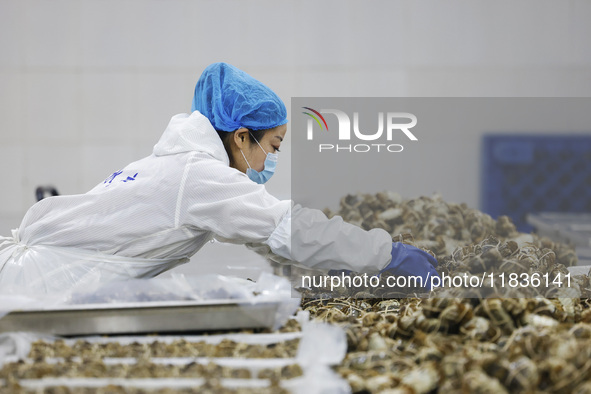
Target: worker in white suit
(203,181)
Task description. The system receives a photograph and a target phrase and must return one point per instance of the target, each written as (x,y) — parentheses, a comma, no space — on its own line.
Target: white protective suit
(158,211)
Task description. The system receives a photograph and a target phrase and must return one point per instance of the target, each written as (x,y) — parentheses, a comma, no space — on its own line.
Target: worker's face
(270,143)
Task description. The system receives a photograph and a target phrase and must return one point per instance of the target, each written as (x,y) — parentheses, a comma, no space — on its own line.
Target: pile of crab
(437,225)
(519,336)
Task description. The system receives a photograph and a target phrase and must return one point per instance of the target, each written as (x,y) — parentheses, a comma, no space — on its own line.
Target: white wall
(88,85)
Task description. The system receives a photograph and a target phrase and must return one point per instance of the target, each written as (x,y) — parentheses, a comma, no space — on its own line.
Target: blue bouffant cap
(231,99)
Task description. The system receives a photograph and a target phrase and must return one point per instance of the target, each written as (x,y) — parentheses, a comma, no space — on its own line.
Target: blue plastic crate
(524,174)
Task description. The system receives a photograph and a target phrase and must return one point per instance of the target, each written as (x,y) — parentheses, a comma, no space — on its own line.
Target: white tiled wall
(89,85)
(51,105)
(52,33)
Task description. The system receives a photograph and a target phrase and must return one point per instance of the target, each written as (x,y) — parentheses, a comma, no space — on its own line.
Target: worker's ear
(241,138)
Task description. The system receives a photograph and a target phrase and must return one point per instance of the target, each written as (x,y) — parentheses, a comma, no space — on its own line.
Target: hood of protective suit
(191,133)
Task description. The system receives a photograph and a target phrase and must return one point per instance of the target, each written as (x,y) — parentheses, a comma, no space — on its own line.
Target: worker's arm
(308,237)
(222,200)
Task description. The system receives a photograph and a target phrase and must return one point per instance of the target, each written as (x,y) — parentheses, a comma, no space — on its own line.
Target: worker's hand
(410,261)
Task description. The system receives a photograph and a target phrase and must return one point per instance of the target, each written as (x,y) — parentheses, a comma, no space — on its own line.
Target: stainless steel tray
(579,269)
(573,228)
(144,317)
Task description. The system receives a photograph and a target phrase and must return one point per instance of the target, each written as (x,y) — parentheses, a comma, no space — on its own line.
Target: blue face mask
(268,170)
